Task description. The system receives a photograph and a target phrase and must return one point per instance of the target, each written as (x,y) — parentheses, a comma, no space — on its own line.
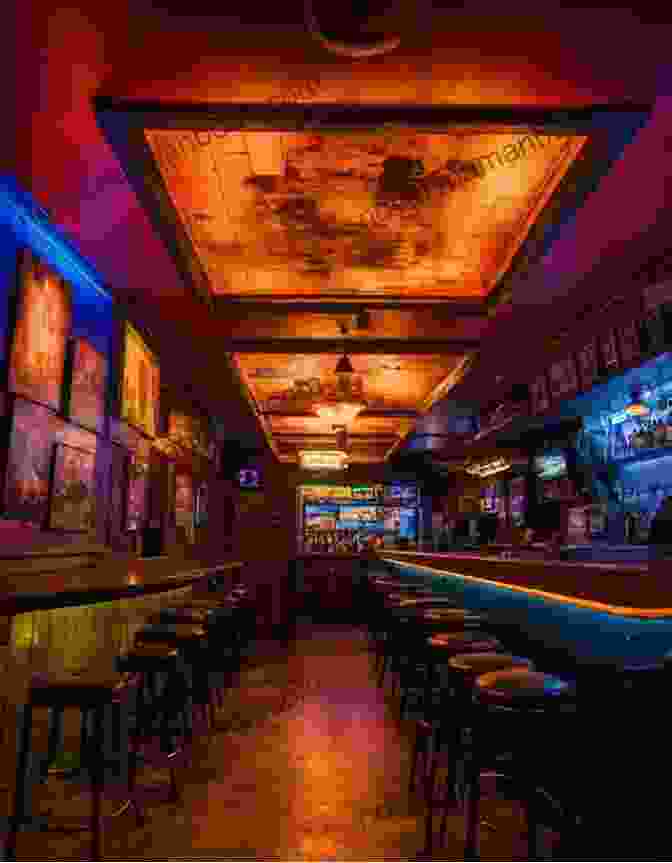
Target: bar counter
(65,620)
(585,613)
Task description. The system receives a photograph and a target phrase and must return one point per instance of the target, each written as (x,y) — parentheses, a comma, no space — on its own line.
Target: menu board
(42,327)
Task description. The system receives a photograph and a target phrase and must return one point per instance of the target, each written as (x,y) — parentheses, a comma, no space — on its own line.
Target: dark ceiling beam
(351,346)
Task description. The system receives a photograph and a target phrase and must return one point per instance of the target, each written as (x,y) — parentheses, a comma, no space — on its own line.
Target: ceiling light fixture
(345,406)
(323,459)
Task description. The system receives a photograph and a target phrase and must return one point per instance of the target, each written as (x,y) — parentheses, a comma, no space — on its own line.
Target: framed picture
(609,351)
(539,395)
(628,343)
(73,494)
(140,384)
(119,475)
(43,318)
(29,463)
(87,386)
(184,502)
(563,378)
(202,505)
(587,363)
(138,485)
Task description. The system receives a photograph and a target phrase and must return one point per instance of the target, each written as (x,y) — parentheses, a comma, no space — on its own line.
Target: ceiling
(567,224)
(363,214)
(388,235)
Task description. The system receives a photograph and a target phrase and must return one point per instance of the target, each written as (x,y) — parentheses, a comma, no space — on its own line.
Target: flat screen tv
(551,465)
(249,479)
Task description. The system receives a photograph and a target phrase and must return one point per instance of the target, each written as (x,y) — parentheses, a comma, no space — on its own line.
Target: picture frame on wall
(609,351)
(588,365)
(72,505)
(26,493)
(140,383)
(628,343)
(563,378)
(539,395)
(43,318)
(88,384)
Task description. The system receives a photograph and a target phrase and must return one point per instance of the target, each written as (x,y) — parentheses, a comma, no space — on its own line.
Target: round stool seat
(408,595)
(429,602)
(172,633)
(522,686)
(145,657)
(72,691)
(477,664)
(197,616)
(464,642)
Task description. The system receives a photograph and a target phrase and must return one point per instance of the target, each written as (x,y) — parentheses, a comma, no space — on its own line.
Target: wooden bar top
(644,590)
(105,578)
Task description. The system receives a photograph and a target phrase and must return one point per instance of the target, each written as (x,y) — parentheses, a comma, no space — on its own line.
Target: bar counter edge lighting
(577,609)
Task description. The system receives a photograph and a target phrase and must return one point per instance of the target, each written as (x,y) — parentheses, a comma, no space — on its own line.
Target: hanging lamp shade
(344,366)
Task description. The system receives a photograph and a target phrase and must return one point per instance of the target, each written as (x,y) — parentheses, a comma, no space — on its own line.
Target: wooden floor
(310,764)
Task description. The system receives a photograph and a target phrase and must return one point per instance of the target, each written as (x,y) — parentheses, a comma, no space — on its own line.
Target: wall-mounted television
(551,465)
(249,479)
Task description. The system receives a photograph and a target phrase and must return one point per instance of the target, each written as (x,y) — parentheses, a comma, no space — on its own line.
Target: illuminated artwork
(140,387)
(138,485)
(73,501)
(30,447)
(42,330)
(379,212)
(184,501)
(87,391)
(188,427)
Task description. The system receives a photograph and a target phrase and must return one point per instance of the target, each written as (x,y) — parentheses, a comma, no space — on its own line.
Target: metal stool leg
(22,780)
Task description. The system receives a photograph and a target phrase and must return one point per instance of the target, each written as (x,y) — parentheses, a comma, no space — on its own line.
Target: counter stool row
(147,714)
(482,709)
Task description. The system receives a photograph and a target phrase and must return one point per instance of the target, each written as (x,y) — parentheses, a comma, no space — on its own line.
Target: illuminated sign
(488,468)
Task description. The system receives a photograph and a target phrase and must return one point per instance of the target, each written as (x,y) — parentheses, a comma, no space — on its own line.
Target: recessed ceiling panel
(293,383)
(383,213)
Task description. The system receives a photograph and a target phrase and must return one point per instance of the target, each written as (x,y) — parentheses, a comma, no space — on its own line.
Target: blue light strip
(31,223)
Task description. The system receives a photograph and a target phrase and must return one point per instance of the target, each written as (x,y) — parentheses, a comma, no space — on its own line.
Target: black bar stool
(191,641)
(463,669)
(159,731)
(523,727)
(93,697)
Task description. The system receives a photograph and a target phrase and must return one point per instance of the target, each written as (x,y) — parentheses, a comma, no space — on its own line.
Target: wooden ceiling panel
(386,382)
(369,213)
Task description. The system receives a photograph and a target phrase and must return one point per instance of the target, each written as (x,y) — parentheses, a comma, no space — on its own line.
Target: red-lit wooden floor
(312,766)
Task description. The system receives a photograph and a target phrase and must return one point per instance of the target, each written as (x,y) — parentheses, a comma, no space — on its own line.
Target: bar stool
(160,714)
(527,715)
(94,697)
(191,641)
(440,649)
(463,669)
